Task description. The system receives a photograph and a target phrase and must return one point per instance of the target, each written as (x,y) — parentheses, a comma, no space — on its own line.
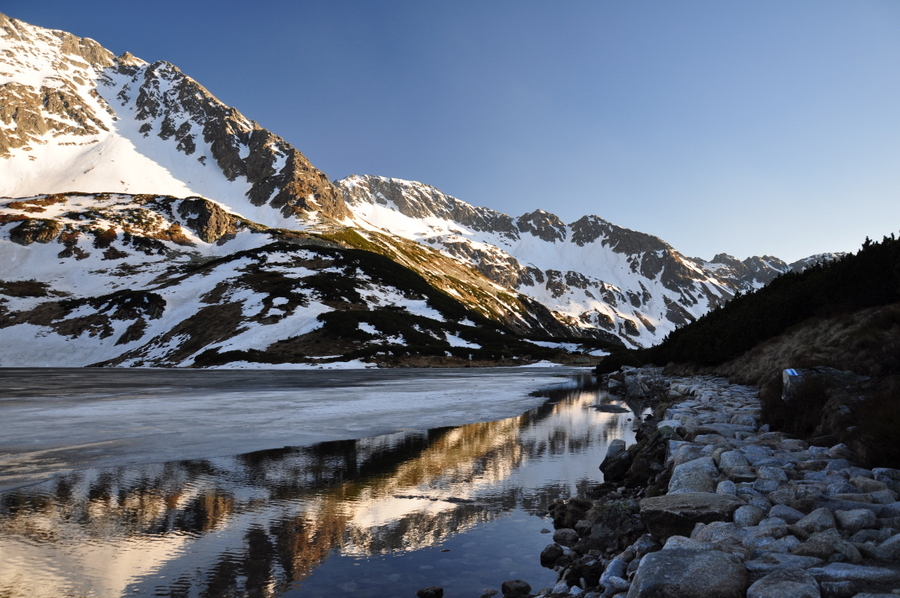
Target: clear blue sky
(740,127)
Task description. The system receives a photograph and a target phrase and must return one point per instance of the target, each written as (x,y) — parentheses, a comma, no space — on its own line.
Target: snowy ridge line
(132,178)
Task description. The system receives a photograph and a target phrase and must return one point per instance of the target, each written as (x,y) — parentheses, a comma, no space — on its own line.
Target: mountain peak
(129,59)
(544,225)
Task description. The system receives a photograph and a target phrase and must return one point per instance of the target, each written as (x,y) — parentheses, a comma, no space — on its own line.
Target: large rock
(677,514)
(615,526)
(648,458)
(550,554)
(683,573)
(617,461)
(565,536)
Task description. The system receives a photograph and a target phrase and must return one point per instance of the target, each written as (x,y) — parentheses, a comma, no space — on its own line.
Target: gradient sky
(751,128)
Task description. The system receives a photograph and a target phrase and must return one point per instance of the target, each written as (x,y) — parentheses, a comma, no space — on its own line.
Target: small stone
(838,464)
(855,520)
(682,543)
(515,587)
(677,514)
(871,535)
(743,419)
(617,461)
(617,584)
(717,532)
(771,473)
(817,521)
(868,484)
(732,459)
(770,562)
(792,445)
(839,488)
(826,544)
(788,514)
(698,475)
(726,487)
(858,578)
(892,546)
(740,473)
(616,568)
(765,486)
(431,592)
(782,496)
(748,516)
(882,497)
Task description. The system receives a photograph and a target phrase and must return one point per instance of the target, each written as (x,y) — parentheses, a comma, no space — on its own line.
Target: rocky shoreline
(710,503)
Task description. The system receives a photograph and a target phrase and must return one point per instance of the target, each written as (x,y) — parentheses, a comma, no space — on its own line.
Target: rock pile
(733,509)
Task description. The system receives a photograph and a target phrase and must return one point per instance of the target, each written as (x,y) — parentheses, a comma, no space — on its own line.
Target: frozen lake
(281,483)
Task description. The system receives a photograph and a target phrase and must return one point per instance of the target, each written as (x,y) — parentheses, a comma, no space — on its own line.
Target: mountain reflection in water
(383,516)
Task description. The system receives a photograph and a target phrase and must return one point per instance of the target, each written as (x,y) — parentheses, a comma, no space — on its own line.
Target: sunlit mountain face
(399,511)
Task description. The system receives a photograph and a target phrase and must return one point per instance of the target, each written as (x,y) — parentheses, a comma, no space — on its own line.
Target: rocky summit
(730,508)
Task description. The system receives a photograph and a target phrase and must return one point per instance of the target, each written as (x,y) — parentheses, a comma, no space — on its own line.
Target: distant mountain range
(144,222)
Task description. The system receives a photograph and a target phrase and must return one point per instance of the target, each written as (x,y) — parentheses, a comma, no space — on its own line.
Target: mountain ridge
(113,165)
(526,253)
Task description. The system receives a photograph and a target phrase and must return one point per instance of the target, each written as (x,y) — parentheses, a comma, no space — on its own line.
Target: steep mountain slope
(76,118)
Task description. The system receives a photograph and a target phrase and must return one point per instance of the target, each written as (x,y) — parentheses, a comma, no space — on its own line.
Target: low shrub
(878,420)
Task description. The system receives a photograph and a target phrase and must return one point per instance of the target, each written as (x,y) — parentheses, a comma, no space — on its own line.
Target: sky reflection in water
(384,516)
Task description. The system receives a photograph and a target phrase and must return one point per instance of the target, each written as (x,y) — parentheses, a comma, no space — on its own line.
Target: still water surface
(460,507)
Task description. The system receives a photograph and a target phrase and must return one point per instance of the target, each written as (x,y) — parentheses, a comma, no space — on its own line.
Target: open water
(461,507)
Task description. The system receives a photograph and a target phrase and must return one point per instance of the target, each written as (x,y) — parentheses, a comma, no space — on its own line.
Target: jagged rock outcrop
(207,219)
(421,201)
(173,106)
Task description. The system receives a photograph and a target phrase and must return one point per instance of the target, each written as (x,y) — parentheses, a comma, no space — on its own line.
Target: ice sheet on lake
(56,421)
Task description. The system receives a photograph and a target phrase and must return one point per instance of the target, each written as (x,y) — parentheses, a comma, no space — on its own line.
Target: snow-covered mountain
(73,117)
(147,223)
(593,275)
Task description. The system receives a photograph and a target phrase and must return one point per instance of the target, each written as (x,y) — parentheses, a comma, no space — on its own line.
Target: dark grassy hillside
(867,279)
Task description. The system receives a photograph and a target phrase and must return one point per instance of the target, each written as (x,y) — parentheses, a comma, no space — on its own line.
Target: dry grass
(866,342)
